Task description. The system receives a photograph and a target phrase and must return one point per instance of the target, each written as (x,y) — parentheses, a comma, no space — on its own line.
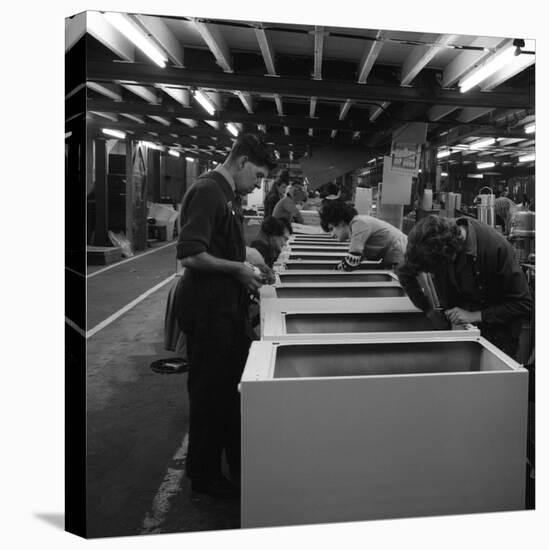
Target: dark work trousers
(217,348)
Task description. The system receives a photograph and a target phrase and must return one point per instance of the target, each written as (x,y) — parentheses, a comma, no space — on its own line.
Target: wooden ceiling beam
(440,111)
(204,132)
(357,122)
(266,50)
(102,30)
(472,113)
(369,58)
(319,35)
(217,44)
(159,32)
(420,56)
(149,74)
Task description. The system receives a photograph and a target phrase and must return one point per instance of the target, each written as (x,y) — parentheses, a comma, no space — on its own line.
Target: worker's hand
(253,256)
(438,320)
(459,316)
(267,274)
(250,279)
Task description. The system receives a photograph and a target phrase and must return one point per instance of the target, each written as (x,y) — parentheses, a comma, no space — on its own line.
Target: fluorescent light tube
(495,63)
(475,176)
(483,165)
(482,143)
(530,128)
(151,145)
(232,128)
(442,154)
(114,133)
(190,159)
(444,174)
(131,31)
(173,153)
(527,158)
(204,101)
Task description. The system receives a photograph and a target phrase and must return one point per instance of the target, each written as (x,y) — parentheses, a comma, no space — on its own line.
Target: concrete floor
(137,420)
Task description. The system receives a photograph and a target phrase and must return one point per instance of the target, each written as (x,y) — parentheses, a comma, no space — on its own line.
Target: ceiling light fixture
(114,133)
(204,101)
(494,63)
(131,31)
(527,158)
(530,128)
(232,128)
(173,153)
(190,159)
(482,143)
(152,145)
(483,165)
(444,153)
(476,176)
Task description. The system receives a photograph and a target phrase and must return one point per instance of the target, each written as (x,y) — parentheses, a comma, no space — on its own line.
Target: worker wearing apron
(212,310)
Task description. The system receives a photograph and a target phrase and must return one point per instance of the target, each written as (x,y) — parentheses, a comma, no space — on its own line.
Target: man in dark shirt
(212,301)
(273,235)
(475,274)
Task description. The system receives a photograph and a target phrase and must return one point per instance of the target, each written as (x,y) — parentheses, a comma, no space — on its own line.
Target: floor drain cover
(173,365)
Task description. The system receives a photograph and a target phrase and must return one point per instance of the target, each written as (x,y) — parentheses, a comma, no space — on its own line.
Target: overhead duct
(325,164)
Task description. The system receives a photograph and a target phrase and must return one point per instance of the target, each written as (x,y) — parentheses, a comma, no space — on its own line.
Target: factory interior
(365,392)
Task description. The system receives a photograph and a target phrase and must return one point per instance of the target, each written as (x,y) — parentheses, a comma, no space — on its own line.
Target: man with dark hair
(370,237)
(297,191)
(212,299)
(273,235)
(475,275)
(287,208)
(277,192)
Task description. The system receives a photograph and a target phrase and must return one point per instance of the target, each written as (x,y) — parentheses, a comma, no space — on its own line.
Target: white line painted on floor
(103,269)
(169,487)
(127,307)
(74,326)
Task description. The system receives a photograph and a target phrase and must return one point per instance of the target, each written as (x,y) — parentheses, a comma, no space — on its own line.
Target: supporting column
(153,174)
(101,193)
(129,189)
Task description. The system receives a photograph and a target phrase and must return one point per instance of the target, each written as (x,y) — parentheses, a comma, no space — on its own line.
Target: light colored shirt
(372,237)
(225,173)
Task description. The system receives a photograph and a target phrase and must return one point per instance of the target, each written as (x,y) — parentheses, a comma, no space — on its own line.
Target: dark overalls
(212,312)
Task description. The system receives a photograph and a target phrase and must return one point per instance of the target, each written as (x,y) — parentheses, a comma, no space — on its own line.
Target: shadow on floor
(56,520)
